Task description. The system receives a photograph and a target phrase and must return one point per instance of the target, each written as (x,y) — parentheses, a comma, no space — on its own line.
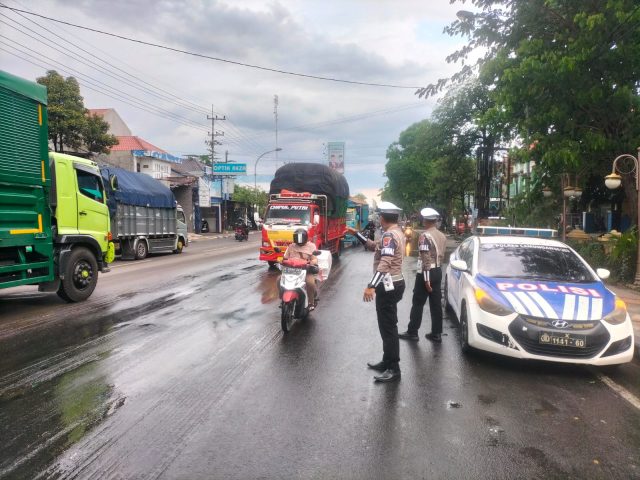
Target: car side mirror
(113,181)
(603,273)
(316,219)
(459,265)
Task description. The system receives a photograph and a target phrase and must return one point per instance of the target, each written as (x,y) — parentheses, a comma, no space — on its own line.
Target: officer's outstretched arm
(368,244)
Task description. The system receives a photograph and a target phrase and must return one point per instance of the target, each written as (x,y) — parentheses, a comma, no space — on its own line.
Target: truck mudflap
(66,242)
(110,255)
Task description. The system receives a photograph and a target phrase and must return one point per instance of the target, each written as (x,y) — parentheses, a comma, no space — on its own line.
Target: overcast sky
(376,41)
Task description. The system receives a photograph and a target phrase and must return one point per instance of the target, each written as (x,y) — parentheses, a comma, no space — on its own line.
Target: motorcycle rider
(303,249)
(242,228)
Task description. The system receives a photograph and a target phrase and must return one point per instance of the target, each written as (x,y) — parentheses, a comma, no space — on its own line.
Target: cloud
(360,40)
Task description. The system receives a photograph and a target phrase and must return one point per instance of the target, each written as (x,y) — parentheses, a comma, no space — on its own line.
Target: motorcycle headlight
(618,315)
(488,304)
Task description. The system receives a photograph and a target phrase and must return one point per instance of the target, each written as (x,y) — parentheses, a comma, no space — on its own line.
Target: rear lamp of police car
(618,315)
(489,305)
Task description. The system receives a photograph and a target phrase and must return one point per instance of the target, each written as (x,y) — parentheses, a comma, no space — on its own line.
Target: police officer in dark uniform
(386,287)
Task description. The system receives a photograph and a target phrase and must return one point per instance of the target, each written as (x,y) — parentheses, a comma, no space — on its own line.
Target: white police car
(535,298)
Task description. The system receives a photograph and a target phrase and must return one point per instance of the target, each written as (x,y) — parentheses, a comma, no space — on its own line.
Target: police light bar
(517,232)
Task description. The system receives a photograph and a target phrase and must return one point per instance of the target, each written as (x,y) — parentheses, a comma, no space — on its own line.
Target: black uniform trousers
(387,310)
(420,296)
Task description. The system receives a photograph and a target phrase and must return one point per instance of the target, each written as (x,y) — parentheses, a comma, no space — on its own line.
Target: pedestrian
(386,287)
(431,247)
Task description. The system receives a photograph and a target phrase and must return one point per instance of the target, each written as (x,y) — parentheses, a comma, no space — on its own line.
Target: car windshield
(534,262)
(287,214)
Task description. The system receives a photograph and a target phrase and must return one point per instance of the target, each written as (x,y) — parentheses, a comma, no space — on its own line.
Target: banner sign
(336,156)
(230,169)
(159,155)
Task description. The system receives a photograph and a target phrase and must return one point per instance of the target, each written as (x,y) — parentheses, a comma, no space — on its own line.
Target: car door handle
(82,212)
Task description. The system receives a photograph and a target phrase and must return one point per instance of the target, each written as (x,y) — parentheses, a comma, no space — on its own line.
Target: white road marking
(583,308)
(529,303)
(515,303)
(620,390)
(569,307)
(548,310)
(129,264)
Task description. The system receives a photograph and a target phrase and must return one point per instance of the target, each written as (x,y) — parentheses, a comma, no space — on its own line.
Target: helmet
(429,214)
(300,236)
(388,208)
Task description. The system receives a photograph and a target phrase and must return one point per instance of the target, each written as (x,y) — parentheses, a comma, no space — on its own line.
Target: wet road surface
(177,368)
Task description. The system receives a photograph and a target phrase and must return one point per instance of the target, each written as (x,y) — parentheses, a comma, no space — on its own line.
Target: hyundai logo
(560,324)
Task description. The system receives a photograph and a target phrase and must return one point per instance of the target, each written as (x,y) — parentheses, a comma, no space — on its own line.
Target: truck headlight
(618,315)
(488,304)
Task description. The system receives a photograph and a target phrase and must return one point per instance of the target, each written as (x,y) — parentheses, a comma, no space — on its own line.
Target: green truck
(54,220)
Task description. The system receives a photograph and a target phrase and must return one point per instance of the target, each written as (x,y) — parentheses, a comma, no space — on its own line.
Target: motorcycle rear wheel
(286,316)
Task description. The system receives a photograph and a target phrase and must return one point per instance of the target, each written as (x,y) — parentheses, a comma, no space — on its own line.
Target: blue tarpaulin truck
(145,217)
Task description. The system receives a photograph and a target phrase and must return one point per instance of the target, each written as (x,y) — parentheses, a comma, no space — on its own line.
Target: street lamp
(613,181)
(255,167)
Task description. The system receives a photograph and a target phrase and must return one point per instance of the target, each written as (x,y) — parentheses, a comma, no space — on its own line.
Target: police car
(535,298)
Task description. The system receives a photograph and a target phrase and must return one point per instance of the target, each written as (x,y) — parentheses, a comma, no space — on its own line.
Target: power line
(209,57)
(182,103)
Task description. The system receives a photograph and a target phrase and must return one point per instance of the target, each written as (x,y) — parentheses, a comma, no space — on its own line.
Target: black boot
(434,337)
(409,335)
(380,366)
(389,375)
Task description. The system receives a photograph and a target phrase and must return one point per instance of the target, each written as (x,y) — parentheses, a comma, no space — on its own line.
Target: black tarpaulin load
(137,189)
(314,178)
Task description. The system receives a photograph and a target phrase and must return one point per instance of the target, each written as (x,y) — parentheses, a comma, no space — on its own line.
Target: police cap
(429,213)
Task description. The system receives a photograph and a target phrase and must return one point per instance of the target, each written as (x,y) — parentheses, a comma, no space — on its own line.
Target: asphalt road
(176,368)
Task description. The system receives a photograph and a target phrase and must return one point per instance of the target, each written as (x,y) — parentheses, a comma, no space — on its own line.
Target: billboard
(230,169)
(335,151)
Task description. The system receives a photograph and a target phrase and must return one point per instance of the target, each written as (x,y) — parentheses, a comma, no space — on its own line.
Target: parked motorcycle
(242,233)
(204,226)
(295,303)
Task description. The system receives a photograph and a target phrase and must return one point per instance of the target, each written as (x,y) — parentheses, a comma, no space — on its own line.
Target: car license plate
(563,339)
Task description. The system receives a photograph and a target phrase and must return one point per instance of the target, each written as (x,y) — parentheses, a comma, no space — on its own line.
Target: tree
(95,135)
(564,78)
(66,111)
(360,196)
(70,125)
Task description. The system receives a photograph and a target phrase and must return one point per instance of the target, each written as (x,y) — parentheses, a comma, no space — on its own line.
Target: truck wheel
(80,276)
(179,246)
(142,250)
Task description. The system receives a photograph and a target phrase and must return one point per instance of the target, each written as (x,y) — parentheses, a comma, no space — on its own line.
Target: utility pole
(213,142)
(275,114)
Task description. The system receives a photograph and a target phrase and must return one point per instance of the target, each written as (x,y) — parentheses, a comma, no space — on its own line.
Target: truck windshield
(286,214)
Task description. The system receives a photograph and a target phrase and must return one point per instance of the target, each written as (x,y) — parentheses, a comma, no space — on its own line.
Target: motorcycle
(242,233)
(293,291)
(204,226)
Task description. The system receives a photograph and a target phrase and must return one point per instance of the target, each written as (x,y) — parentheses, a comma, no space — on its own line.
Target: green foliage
(65,110)
(251,196)
(95,135)
(69,124)
(621,260)
(433,161)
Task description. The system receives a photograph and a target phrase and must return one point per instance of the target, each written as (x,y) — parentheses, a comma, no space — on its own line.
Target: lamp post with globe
(613,181)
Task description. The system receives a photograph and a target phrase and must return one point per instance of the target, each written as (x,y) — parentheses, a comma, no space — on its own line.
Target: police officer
(386,287)
(431,247)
